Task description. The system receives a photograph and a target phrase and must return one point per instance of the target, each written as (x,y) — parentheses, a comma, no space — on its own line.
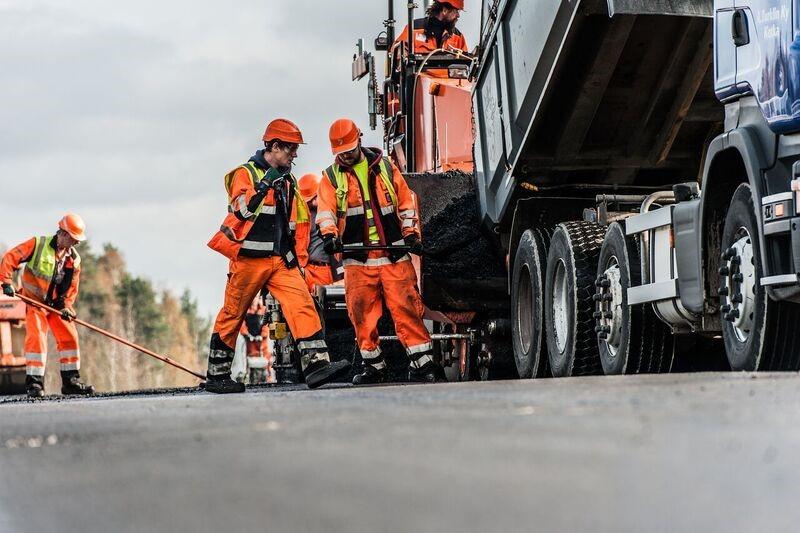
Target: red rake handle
(110,335)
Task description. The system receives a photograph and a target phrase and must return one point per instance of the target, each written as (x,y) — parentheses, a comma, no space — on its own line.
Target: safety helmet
(73,224)
(458,4)
(284,130)
(344,136)
(309,186)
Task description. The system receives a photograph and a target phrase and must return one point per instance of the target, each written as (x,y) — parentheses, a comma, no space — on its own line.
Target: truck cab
(757,52)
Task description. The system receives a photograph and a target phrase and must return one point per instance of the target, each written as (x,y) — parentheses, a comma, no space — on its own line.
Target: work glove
(8,289)
(415,245)
(331,244)
(273,175)
(68,314)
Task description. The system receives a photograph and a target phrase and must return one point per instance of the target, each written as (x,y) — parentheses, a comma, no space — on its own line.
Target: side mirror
(739,30)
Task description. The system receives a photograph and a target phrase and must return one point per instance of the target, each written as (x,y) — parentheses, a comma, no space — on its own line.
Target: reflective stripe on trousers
(366,290)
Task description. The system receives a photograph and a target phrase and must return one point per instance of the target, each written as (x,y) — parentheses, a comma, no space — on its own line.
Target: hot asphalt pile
(456,245)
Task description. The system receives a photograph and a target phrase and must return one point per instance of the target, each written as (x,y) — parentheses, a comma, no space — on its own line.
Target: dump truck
(636,165)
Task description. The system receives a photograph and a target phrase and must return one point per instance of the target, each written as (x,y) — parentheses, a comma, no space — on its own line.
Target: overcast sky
(130,114)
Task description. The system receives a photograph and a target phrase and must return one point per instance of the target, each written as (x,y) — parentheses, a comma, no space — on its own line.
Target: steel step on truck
(637,165)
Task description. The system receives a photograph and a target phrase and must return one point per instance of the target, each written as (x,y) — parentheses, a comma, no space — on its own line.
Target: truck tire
(569,304)
(620,327)
(759,333)
(527,294)
(630,339)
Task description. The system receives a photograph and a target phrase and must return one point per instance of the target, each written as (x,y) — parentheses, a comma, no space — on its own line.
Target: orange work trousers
(37,322)
(367,287)
(246,277)
(317,275)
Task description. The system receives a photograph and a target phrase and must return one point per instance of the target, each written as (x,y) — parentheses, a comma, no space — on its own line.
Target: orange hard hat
(344,136)
(73,224)
(458,4)
(283,130)
(309,186)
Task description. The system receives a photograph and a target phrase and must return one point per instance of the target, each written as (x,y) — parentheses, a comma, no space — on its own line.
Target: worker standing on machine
(437,29)
(319,267)
(364,202)
(51,276)
(258,237)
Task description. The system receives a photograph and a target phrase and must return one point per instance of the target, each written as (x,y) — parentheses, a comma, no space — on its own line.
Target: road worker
(364,201)
(51,276)
(258,237)
(319,267)
(255,331)
(437,29)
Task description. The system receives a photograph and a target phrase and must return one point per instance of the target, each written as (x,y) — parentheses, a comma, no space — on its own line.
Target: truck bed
(614,92)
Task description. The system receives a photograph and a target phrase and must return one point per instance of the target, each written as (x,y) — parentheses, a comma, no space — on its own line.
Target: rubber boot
(370,376)
(427,373)
(220,359)
(71,384)
(34,386)
(223,385)
(319,373)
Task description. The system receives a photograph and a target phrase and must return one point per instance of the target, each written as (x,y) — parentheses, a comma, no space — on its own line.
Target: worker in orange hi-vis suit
(437,29)
(255,331)
(319,268)
(257,235)
(364,201)
(51,276)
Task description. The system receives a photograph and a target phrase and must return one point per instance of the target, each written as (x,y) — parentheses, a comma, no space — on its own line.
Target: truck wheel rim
(738,285)
(524,309)
(560,305)
(610,306)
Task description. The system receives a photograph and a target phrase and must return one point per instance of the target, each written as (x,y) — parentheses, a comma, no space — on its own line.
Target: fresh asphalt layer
(690,452)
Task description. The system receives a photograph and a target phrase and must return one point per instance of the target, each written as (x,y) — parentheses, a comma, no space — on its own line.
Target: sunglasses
(291,148)
(352,152)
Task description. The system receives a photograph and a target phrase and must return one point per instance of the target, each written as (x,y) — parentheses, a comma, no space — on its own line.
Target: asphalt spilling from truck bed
(456,246)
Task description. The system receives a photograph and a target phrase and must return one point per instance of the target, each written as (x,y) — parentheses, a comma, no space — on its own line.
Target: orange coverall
(246,277)
(375,279)
(314,274)
(37,321)
(424,44)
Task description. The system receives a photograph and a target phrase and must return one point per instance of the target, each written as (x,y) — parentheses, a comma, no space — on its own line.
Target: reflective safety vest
(256,175)
(256,233)
(42,267)
(354,219)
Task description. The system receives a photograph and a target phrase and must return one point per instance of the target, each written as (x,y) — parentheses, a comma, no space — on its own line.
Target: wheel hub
(608,308)
(737,285)
(560,311)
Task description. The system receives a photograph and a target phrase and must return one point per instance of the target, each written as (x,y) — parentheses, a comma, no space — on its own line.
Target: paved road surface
(701,452)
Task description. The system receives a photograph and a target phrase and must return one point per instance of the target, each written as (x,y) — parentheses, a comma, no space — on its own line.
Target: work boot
(34,386)
(321,372)
(71,384)
(220,359)
(223,385)
(427,373)
(370,376)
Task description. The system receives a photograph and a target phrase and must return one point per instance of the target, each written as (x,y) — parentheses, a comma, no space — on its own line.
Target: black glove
(413,242)
(273,175)
(8,289)
(331,244)
(68,314)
